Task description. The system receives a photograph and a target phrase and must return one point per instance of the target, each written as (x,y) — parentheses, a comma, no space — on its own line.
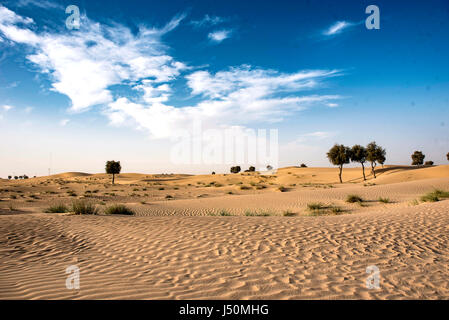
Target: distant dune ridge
(232,236)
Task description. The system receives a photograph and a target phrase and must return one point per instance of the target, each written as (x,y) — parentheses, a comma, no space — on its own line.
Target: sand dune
(175,249)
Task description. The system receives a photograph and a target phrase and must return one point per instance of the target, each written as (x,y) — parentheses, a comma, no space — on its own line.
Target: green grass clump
(435,196)
(315,206)
(250,213)
(224,213)
(353,198)
(384,200)
(119,209)
(58,208)
(288,213)
(83,207)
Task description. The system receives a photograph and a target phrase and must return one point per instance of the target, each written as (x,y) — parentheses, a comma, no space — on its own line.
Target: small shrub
(435,195)
(224,213)
(245,188)
(282,189)
(168,196)
(82,207)
(303,165)
(58,208)
(384,200)
(315,206)
(288,213)
(119,209)
(353,198)
(161,188)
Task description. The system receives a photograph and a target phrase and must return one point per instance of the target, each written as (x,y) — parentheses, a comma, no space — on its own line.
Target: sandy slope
(172,249)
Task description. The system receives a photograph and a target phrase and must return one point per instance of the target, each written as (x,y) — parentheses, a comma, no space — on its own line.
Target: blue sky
(138,72)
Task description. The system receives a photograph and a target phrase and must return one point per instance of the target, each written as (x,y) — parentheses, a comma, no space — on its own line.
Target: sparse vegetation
(83,207)
(282,189)
(303,165)
(288,213)
(384,200)
(428,163)
(315,206)
(119,209)
(262,213)
(435,196)
(353,198)
(57,208)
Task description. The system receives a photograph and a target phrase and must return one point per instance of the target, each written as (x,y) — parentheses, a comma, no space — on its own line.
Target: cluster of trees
(418,159)
(18,177)
(237,169)
(340,155)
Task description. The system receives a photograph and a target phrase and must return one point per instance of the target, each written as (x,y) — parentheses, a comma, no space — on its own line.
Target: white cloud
(7,107)
(84,64)
(44,4)
(239,96)
(337,28)
(64,122)
(219,36)
(332,105)
(207,21)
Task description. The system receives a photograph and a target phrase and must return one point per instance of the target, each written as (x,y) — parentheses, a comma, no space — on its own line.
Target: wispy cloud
(7,107)
(338,27)
(44,4)
(207,21)
(84,64)
(64,122)
(219,35)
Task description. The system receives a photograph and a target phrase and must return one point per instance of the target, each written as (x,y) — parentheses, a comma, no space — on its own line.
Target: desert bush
(353,198)
(83,207)
(288,213)
(417,158)
(282,189)
(428,163)
(252,169)
(315,206)
(262,213)
(303,165)
(235,169)
(384,200)
(224,213)
(57,208)
(435,195)
(245,188)
(119,209)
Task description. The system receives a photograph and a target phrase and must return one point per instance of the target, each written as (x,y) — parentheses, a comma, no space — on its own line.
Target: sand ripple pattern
(179,257)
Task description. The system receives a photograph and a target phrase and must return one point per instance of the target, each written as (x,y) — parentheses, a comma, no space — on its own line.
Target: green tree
(113,167)
(9,177)
(235,169)
(417,158)
(252,169)
(358,154)
(375,154)
(339,155)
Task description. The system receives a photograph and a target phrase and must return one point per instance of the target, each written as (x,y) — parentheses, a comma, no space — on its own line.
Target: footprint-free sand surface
(180,247)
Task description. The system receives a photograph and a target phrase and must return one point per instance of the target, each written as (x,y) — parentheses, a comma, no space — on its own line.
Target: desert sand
(233,236)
